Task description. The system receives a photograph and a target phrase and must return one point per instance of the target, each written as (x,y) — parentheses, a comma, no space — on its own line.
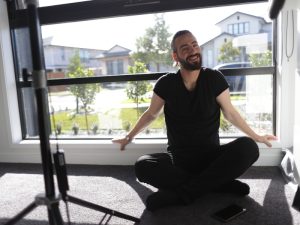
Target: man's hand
(266,139)
(122,141)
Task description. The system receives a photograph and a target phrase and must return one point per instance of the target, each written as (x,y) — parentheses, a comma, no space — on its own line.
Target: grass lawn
(67,119)
(129,116)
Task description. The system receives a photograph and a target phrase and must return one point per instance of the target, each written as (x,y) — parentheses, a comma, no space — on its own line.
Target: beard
(191,66)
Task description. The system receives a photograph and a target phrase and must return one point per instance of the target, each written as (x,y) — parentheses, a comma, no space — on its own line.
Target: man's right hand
(122,141)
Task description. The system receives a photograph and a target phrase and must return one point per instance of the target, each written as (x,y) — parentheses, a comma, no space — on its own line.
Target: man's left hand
(266,139)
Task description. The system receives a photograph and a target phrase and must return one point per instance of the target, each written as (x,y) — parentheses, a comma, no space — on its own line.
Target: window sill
(104,152)
(79,143)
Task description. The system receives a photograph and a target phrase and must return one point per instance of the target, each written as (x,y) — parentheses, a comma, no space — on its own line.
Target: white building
(238,27)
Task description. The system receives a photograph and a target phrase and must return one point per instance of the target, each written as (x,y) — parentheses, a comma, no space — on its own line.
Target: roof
(115,51)
(222,34)
(237,12)
(58,41)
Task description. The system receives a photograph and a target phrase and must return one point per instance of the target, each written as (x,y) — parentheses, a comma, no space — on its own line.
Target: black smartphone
(229,213)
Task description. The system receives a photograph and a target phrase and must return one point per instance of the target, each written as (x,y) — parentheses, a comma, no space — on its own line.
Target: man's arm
(235,118)
(146,118)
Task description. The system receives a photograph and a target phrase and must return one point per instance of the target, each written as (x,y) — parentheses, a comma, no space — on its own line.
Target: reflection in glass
(113,111)
(255,104)
(92,48)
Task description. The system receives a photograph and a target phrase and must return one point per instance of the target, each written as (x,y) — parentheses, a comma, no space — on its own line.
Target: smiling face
(186,52)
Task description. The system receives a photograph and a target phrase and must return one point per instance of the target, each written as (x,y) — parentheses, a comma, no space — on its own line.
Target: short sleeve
(160,87)
(220,83)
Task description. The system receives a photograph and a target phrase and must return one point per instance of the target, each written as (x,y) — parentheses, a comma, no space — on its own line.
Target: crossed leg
(183,182)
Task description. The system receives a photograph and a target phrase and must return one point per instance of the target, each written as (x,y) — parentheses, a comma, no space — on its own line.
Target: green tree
(261,59)
(228,53)
(85,93)
(74,64)
(154,46)
(136,90)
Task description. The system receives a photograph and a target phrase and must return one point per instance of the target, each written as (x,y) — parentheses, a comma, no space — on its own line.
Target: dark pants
(196,171)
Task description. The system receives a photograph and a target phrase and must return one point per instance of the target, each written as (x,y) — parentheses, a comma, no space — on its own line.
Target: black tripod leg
(21,214)
(101,208)
(54,214)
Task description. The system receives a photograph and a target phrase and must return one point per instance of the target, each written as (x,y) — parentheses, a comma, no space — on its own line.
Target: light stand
(50,199)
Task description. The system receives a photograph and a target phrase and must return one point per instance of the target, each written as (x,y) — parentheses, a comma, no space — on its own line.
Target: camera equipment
(50,199)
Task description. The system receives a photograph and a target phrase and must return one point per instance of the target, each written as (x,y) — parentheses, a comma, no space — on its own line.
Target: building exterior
(114,61)
(239,28)
(102,62)
(251,35)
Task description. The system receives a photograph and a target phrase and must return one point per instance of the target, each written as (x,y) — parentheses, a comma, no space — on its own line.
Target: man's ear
(174,56)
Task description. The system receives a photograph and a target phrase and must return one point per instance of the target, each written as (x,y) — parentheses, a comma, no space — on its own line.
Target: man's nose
(193,50)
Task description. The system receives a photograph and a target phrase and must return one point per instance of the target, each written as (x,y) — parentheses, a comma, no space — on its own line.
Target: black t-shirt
(192,117)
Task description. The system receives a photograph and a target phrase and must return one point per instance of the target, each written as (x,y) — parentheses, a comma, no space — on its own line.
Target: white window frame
(14,149)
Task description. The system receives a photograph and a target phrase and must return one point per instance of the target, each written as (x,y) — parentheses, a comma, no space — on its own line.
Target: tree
(228,53)
(261,59)
(86,93)
(154,46)
(137,89)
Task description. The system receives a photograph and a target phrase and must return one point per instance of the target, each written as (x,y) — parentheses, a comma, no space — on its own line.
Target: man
(195,163)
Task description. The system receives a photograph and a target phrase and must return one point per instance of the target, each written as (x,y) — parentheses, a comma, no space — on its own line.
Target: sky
(106,33)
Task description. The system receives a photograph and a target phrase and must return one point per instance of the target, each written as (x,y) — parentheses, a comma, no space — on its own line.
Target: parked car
(237,83)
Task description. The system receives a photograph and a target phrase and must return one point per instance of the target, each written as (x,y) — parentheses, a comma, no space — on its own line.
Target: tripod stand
(50,199)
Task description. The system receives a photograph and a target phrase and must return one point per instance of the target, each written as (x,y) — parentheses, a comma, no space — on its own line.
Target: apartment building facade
(239,28)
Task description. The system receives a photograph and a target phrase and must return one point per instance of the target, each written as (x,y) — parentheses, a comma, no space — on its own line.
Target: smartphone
(229,213)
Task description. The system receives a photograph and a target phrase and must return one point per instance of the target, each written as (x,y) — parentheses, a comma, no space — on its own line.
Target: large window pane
(113,110)
(255,104)
(105,42)
(141,44)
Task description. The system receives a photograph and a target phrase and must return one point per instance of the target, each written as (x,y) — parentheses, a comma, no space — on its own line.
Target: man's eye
(185,49)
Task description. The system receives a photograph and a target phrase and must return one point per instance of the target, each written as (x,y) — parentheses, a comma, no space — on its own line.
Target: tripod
(50,199)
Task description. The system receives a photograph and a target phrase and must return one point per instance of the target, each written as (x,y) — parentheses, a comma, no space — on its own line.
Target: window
(235,28)
(115,67)
(110,67)
(63,56)
(241,28)
(238,28)
(210,58)
(120,66)
(230,28)
(115,102)
(246,27)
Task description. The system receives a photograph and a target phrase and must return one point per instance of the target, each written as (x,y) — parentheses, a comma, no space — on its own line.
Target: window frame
(94,10)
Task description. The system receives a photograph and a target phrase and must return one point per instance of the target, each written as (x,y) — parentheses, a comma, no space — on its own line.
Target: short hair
(178,34)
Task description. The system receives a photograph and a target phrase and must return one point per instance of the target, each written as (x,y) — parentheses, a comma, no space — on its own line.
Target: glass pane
(117,106)
(112,110)
(255,104)
(234,37)
(23,51)
(141,44)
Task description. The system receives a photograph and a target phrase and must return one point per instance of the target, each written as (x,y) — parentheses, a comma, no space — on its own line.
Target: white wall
(13,149)
(288,77)
(291,74)
(297,96)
